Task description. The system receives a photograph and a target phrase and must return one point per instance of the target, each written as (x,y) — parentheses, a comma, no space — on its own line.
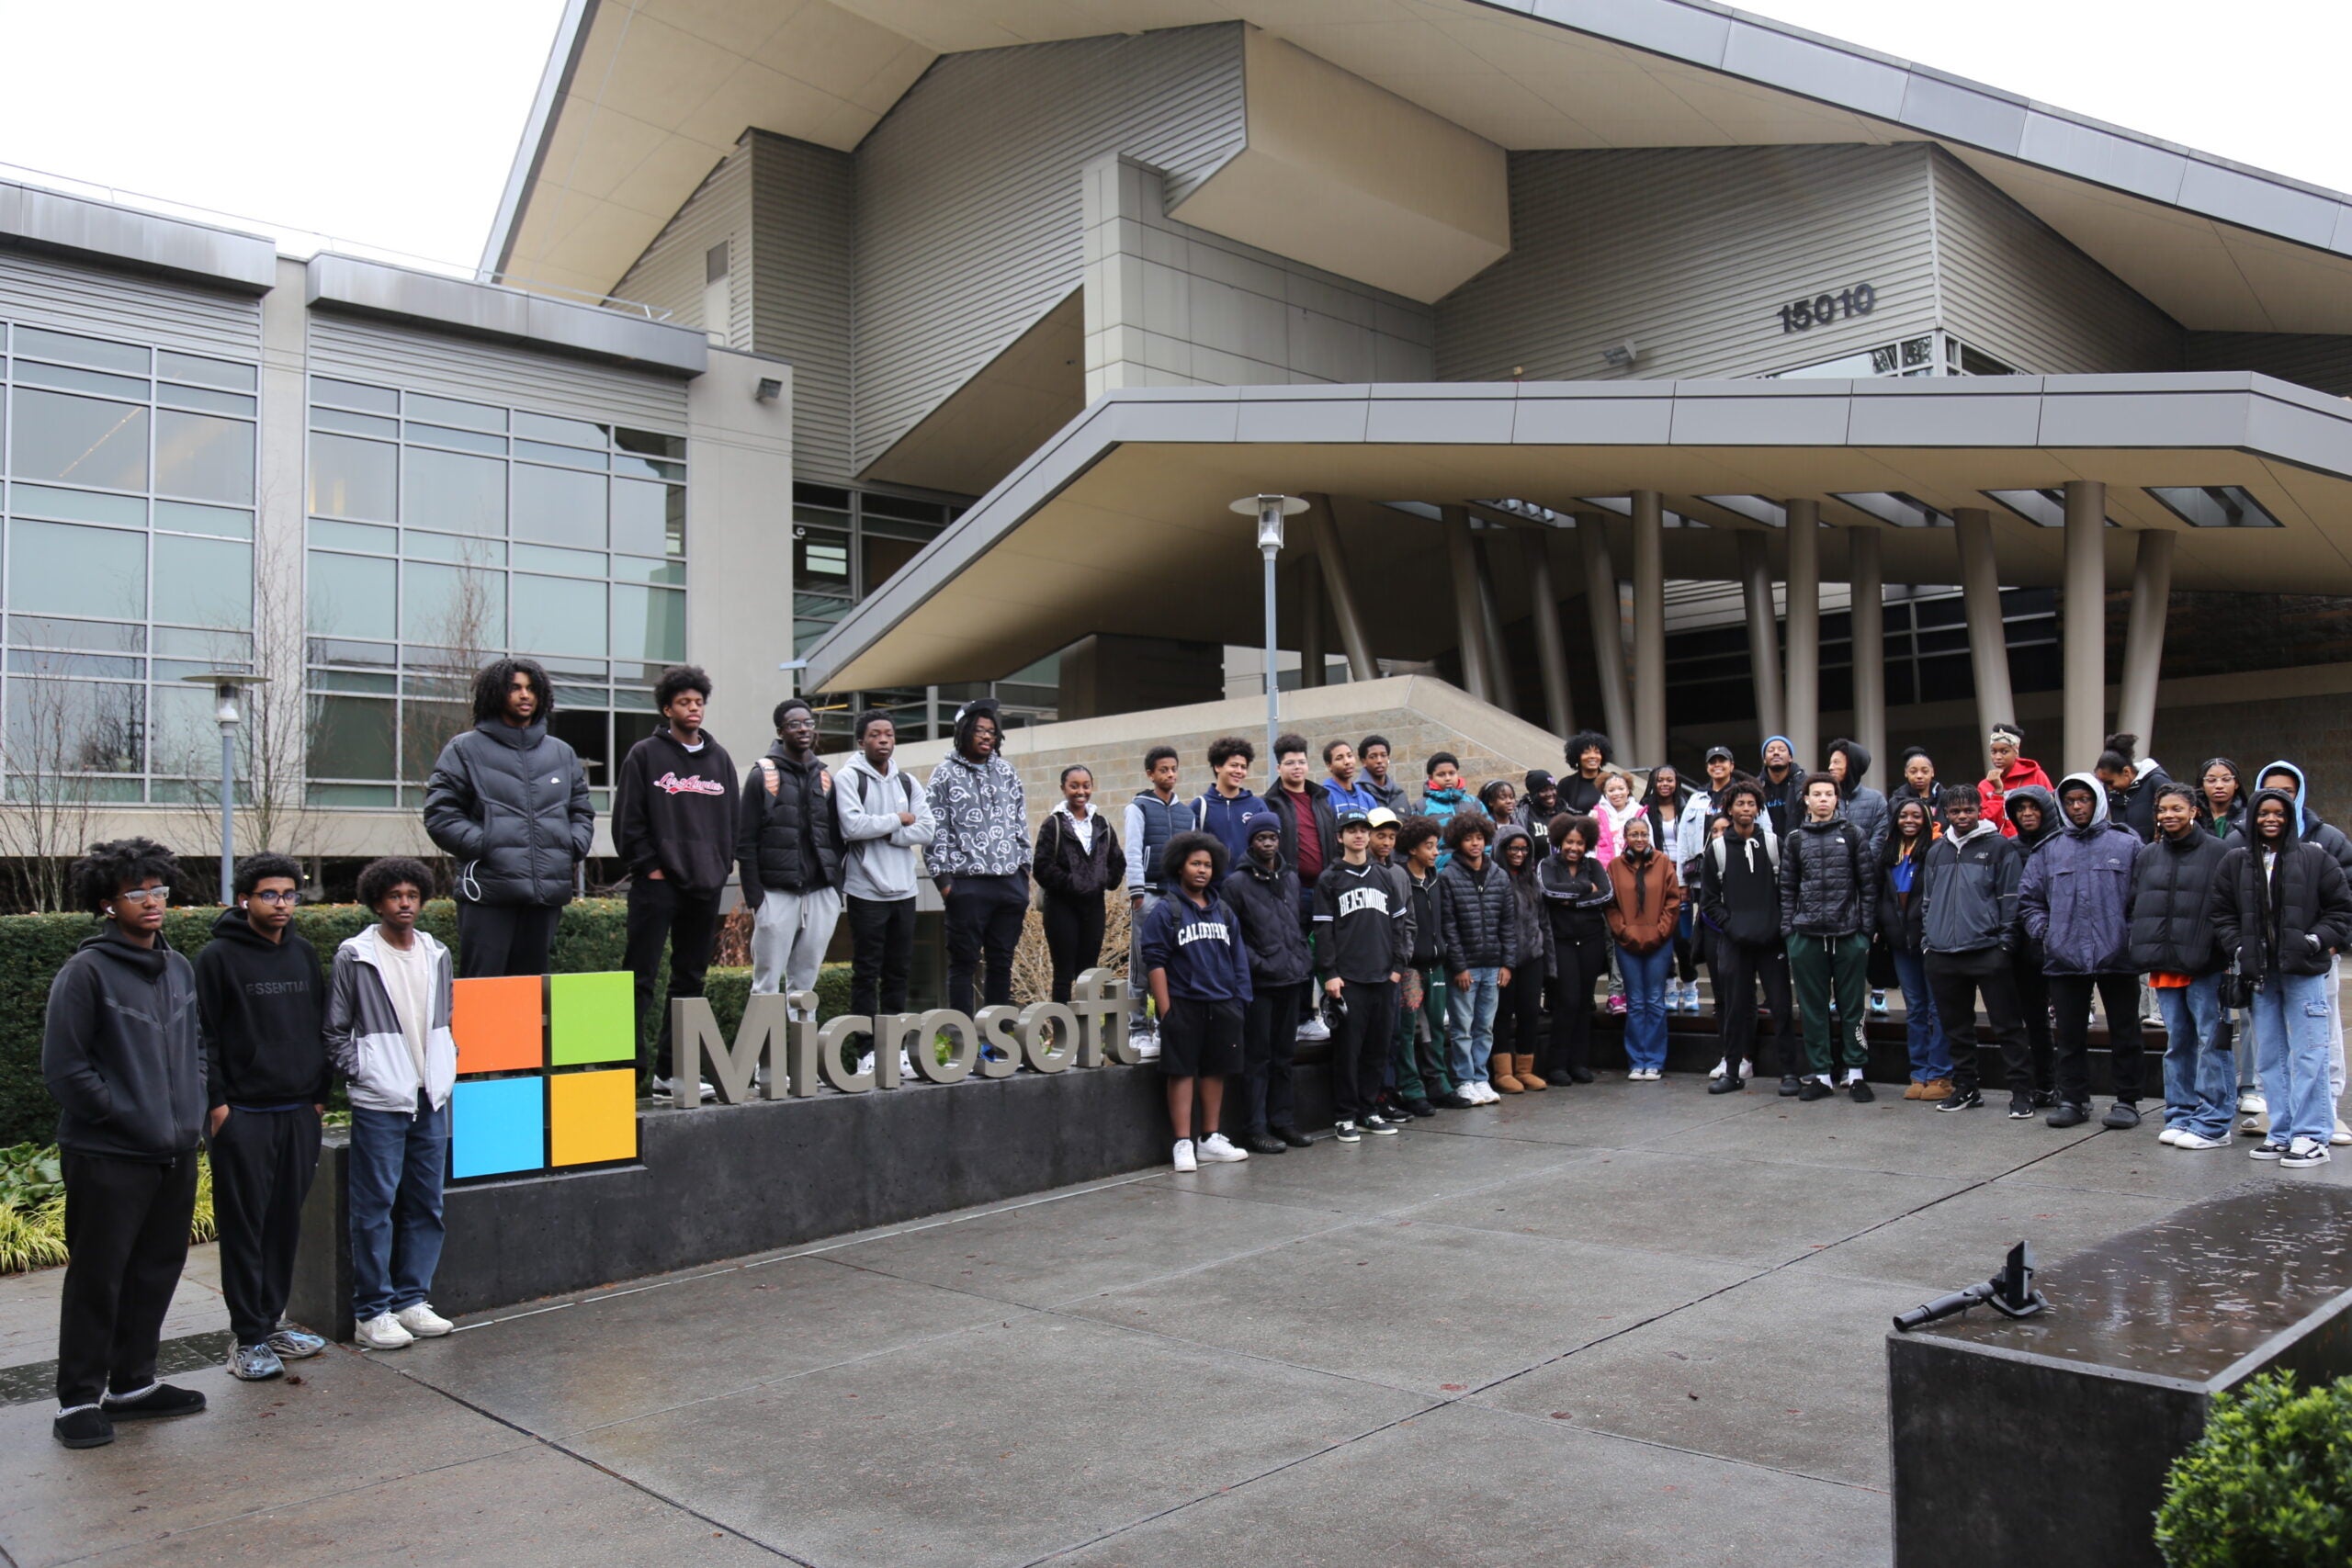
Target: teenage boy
(2075,900)
(979,856)
(120,1056)
(1263,894)
(388,1033)
(1783,784)
(886,823)
(1341,783)
(1827,913)
(260,1004)
(674,825)
(509,803)
(1199,976)
(1538,804)
(1588,751)
(1739,899)
(1222,808)
(1373,756)
(1418,1053)
(1441,793)
(1310,826)
(1362,943)
(1152,819)
(1850,764)
(788,844)
(2173,944)
(1968,927)
(1479,916)
(2006,772)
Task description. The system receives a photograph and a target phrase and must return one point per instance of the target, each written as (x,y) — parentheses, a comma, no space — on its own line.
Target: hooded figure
(2050,819)
(1862,806)
(2020,772)
(1536,810)
(2075,900)
(2308,823)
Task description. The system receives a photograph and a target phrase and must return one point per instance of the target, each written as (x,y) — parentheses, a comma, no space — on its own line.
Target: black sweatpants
(881,954)
(984,916)
(659,913)
(262,1164)
(1738,967)
(125,1226)
(1518,1019)
(1956,980)
(1359,1047)
(2070,999)
(504,939)
(1073,937)
(2033,1001)
(1582,962)
(1269,1036)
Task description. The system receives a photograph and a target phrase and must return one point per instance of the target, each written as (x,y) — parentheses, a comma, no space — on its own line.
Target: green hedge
(729,989)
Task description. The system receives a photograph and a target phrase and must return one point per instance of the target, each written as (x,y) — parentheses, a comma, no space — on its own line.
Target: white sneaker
(1747,1069)
(423,1322)
(1484,1093)
(1184,1160)
(1633,1075)
(2169,1135)
(2341,1135)
(866,1065)
(2184,1139)
(1313,1028)
(1718,1070)
(2250,1103)
(1147,1047)
(383,1331)
(1215,1150)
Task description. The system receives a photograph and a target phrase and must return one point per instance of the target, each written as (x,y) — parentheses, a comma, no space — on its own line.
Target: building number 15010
(1803,315)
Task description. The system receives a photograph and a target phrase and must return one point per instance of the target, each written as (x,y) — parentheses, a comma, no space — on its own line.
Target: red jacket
(2023,771)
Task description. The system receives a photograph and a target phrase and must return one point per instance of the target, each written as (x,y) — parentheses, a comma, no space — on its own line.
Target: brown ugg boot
(1498,1075)
(1523,1069)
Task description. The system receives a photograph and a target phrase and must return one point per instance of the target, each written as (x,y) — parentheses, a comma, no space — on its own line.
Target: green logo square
(591,1018)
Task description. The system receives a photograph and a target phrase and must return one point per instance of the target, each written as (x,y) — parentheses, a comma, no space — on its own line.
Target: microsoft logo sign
(534,1091)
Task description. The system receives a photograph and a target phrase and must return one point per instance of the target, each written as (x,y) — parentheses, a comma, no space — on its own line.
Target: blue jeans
(1931,1054)
(2201,1080)
(2290,1019)
(1470,1024)
(396,1166)
(1646,976)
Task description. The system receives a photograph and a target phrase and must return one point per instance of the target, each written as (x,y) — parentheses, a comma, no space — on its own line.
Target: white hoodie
(885,858)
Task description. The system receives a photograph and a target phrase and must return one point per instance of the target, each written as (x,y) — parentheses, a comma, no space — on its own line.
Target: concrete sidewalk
(1618,1324)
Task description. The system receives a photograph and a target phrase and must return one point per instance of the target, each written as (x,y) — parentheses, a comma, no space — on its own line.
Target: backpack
(1771,852)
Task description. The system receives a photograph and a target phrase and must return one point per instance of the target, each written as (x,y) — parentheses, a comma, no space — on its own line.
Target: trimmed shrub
(730,989)
(2268,1485)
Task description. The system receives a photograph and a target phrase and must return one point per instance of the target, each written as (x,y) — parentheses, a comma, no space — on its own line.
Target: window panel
(465,440)
(352,738)
(446,410)
(563,563)
(204,457)
(557,614)
(206,398)
(186,517)
(465,549)
(560,507)
(78,505)
(351,394)
(353,479)
(562,432)
(124,356)
(74,726)
(78,441)
(637,569)
(452,492)
(183,738)
(55,569)
(38,631)
(649,519)
(71,380)
(356,423)
(224,373)
(215,647)
(649,623)
(355,536)
(204,583)
(570,457)
(351,596)
(820,559)
(453,606)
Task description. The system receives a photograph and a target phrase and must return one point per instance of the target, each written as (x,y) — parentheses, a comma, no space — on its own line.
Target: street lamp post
(225,684)
(1270,510)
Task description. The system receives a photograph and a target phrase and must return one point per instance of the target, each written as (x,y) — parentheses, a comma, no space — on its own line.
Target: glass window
(820,559)
(454,493)
(204,457)
(649,519)
(78,505)
(465,549)
(453,606)
(570,457)
(651,445)
(2215,506)
(235,648)
(649,623)
(38,631)
(351,395)
(351,596)
(353,479)
(183,738)
(75,350)
(204,583)
(189,518)
(24,661)
(355,536)
(564,563)
(73,380)
(558,614)
(74,726)
(218,373)
(356,423)
(78,441)
(562,432)
(559,506)
(884,558)
(206,398)
(465,440)
(637,569)
(446,410)
(57,570)
(352,738)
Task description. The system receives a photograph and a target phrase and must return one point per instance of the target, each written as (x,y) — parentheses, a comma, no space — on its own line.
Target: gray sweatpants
(1138,982)
(789,934)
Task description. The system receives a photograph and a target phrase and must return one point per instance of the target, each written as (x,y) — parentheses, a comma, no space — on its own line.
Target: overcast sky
(394,126)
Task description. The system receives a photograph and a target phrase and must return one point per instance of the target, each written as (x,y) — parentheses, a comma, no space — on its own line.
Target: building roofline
(494,310)
(35,219)
(531,148)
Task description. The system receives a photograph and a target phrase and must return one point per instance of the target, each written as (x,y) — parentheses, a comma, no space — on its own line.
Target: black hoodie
(260,1007)
(674,811)
(120,1051)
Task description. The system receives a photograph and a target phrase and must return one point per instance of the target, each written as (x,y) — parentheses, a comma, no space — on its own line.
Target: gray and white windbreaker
(364,1038)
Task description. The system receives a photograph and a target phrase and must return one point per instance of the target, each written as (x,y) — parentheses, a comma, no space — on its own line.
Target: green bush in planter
(2268,1485)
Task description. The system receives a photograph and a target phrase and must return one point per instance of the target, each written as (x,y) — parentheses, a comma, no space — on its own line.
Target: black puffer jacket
(771,845)
(1862,806)
(1067,869)
(1534,924)
(1266,904)
(2285,924)
(2172,898)
(2135,805)
(1827,881)
(120,1051)
(511,807)
(1479,911)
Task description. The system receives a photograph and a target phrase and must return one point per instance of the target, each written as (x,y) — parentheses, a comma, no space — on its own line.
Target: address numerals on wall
(1803,315)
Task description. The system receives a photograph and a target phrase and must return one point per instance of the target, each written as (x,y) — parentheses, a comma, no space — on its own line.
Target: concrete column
(1869,581)
(1490,614)
(2082,628)
(1804,633)
(1649,627)
(1763,629)
(1323,524)
(1462,557)
(1551,647)
(1608,630)
(1988,644)
(1311,650)
(2143,634)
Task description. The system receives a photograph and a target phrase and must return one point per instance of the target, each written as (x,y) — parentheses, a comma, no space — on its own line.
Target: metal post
(2083,622)
(1804,633)
(1551,647)
(1607,626)
(1463,558)
(1490,614)
(1988,644)
(1339,589)
(1270,510)
(1649,627)
(1312,658)
(1867,576)
(2143,634)
(228,812)
(1763,629)
(1273,689)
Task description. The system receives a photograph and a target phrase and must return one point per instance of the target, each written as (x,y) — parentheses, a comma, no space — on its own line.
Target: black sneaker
(2069,1115)
(1264,1144)
(1860,1092)
(1582,1075)
(1814,1089)
(1420,1108)
(2021,1108)
(1560,1078)
(1727,1084)
(1346,1133)
(2121,1115)
(1966,1100)
(2043,1098)
(2269,1148)
(1790,1085)
(161,1400)
(1292,1136)
(1380,1125)
(85,1429)
(1449,1100)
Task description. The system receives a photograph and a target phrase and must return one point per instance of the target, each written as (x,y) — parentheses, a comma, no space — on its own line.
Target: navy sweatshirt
(1200,946)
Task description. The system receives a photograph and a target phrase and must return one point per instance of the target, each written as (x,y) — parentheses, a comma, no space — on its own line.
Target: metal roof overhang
(1119,524)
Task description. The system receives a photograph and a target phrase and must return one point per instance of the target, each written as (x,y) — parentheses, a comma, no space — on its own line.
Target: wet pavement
(1627,1323)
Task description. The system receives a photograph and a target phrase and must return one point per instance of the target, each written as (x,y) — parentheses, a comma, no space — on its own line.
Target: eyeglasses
(271,896)
(145,896)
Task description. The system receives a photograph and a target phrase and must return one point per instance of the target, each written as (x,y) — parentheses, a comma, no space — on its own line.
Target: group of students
(1440,941)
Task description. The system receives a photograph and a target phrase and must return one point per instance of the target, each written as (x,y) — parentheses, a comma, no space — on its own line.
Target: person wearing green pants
(1417,1053)
(1826,904)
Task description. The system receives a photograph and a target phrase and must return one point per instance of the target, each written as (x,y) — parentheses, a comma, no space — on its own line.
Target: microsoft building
(1645,365)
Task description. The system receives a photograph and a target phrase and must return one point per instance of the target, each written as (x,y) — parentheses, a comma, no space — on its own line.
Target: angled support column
(1323,525)
(1868,577)
(2083,622)
(1608,628)
(1988,643)
(1312,655)
(1490,611)
(1649,627)
(1462,557)
(1804,633)
(1551,647)
(1763,629)
(2143,634)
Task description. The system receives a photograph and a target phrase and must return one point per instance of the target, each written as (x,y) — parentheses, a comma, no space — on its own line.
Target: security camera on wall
(1622,355)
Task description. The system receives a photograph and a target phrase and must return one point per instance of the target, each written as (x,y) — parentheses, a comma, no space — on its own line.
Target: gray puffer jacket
(1827,881)
(511,807)
(1479,912)
(1863,806)
(1534,921)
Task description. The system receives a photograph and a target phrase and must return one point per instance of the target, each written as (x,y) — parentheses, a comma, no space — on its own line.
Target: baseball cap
(1723,751)
(1378,817)
(1352,817)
